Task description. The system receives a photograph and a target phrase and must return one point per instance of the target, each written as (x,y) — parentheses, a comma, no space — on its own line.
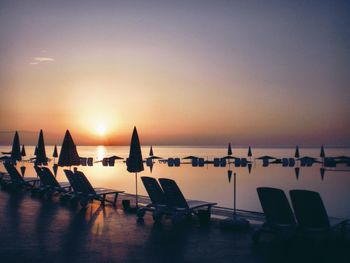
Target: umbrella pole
(234,195)
(137,203)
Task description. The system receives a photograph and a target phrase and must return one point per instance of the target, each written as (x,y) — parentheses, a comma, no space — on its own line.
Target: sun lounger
(312,216)
(86,193)
(49,182)
(285,162)
(278,214)
(17,179)
(244,162)
(170,162)
(177,162)
(201,162)
(216,162)
(177,202)
(223,162)
(158,205)
(90,161)
(195,162)
(291,162)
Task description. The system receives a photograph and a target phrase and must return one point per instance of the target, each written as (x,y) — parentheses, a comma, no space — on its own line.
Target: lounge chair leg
(115,199)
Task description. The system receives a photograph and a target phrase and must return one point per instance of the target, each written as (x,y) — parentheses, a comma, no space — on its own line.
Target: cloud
(38,60)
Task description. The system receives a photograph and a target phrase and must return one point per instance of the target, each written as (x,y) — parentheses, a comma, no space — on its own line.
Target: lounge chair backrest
(275,206)
(291,162)
(13,172)
(84,183)
(73,181)
(173,193)
(200,162)
(43,179)
(309,209)
(237,162)
(49,177)
(195,162)
(90,161)
(244,162)
(154,190)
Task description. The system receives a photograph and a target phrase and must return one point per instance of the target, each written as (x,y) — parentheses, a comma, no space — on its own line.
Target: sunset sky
(264,73)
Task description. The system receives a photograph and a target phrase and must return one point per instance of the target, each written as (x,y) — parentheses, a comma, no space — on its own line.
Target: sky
(262,73)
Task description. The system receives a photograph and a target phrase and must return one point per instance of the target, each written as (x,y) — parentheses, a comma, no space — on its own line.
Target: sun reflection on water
(101,152)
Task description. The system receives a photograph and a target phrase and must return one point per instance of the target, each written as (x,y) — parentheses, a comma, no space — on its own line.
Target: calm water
(211,183)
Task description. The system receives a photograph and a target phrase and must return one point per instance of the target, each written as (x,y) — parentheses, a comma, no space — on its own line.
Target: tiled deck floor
(38,230)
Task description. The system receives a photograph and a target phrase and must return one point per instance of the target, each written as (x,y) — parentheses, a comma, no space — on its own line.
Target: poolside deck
(38,230)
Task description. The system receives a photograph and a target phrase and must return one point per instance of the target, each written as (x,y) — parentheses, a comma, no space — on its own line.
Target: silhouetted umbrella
(41,158)
(191,157)
(151,152)
(297,170)
(229,149)
(152,156)
(115,157)
(135,163)
(322,172)
(16,149)
(250,152)
(296,154)
(23,170)
(68,155)
(55,153)
(322,153)
(266,157)
(36,150)
(23,152)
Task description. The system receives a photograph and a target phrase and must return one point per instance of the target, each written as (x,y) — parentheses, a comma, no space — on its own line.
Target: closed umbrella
(135,163)
(151,152)
(23,152)
(250,154)
(322,153)
(41,158)
(296,154)
(68,154)
(16,149)
(229,149)
(55,152)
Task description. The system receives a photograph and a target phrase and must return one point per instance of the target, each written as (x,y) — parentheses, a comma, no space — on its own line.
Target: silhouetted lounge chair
(177,162)
(285,162)
(312,216)
(49,184)
(159,205)
(17,179)
(86,193)
(278,214)
(177,202)
(201,162)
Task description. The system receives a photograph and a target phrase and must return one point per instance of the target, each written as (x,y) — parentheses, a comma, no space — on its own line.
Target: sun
(101,129)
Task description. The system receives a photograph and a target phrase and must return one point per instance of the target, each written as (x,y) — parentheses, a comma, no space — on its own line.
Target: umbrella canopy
(23,152)
(250,152)
(16,149)
(115,157)
(41,153)
(266,157)
(134,162)
(229,157)
(229,149)
(36,150)
(55,153)
(155,157)
(322,153)
(308,159)
(68,155)
(151,151)
(296,154)
(191,157)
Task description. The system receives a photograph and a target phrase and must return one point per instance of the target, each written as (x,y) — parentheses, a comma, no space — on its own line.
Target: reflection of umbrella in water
(68,154)
(23,152)
(55,168)
(249,168)
(16,149)
(296,154)
(41,158)
(234,223)
(134,162)
(322,172)
(229,175)
(297,170)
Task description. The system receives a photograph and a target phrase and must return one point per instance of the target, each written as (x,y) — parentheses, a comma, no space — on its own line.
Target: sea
(216,184)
